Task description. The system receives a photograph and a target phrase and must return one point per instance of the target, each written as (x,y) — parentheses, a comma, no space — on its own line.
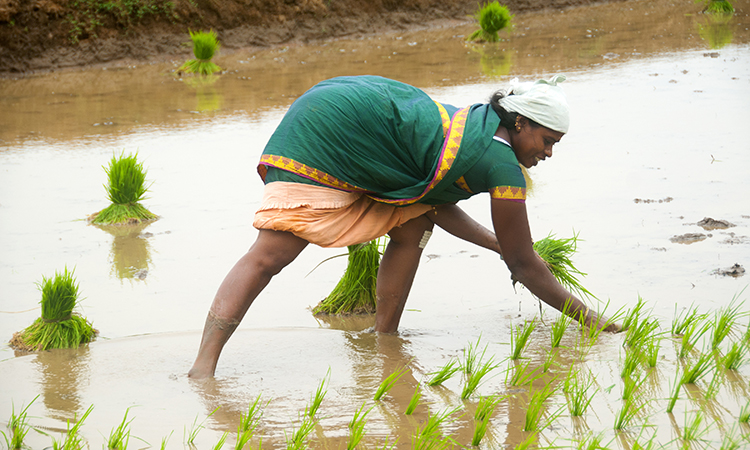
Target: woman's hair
(507,119)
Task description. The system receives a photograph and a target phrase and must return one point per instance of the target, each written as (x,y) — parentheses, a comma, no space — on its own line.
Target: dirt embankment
(49,34)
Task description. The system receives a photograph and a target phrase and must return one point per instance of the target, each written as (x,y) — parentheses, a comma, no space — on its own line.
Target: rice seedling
(389,382)
(520,374)
(355,292)
(692,431)
(630,386)
(631,407)
(633,316)
(429,437)
(631,362)
(519,338)
(297,440)
(320,393)
(690,337)
(120,436)
(684,319)
(549,360)
(249,421)
(529,442)
(195,428)
(724,321)
(414,402)
(126,187)
(445,373)
(557,254)
(220,443)
(578,394)
(486,406)
(480,429)
(695,371)
(590,442)
(205,46)
(591,332)
(357,427)
(492,17)
(713,387)
(18,426)
(471,356)
(719,7)
(675,389)
(730,441)
(648,445)
(474,379)
(73,440)
(560,325)
(165,440)
(243,437)
(58,326)
(735,357)
(651,355)
(744,416)
(535,408)
(639,333)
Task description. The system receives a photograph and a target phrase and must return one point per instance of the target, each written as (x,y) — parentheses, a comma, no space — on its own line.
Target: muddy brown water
(660,99)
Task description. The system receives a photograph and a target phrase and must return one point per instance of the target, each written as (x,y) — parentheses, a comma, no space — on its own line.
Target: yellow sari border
(303,170)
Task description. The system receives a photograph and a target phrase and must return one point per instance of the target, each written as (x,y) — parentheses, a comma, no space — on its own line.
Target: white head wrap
(542,101)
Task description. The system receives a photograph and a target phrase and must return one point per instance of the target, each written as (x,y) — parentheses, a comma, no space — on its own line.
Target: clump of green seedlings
(557,254)
(18,427)
(222,440)
(414,401)
(549,360)
(631,407)
(126,188)
(744,416)
(493,18)
(389,382)
(355,292)
(357,427)
(719,7)
(59,326)
(444,373)
(692,333)
(519,338)
(205,46)
(120,435)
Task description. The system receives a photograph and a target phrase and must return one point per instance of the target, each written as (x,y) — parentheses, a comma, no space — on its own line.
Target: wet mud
(633,136)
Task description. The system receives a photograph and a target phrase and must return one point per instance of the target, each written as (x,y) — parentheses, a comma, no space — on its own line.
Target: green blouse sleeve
(496,172)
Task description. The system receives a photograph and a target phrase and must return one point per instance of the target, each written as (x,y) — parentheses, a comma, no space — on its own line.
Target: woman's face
(533,143)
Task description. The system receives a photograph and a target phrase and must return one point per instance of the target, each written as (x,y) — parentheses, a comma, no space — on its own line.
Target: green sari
(380,137)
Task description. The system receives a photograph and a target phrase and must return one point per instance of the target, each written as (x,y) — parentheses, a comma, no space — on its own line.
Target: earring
(518,126)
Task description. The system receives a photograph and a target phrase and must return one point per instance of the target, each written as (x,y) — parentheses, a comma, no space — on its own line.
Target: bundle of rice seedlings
(126,186)
(355,292)
(59,326)
(205,45)
(557,253)
(492,18)
(719,7)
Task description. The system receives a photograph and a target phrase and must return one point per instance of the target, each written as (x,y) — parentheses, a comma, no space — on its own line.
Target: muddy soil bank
(37,35)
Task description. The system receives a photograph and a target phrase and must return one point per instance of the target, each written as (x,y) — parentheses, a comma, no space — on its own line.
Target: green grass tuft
(126,187)
(205,46)
(59,326)
(492,17)
(73,440)
(735,357)
(578,393)
(355,292)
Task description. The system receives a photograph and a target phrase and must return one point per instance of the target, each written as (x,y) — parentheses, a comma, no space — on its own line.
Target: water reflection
(131,251)
(207,96)
(494,60)
(715,29)
(63,372)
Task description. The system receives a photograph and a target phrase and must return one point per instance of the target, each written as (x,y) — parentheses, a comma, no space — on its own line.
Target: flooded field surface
(653,175)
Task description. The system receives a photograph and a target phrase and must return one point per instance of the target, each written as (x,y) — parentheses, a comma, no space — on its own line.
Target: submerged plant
(58,326)
(519,338)
(205,45)
(389,382)
(445,373)
(492,17)
(126,187)
(355,292)
(18,427)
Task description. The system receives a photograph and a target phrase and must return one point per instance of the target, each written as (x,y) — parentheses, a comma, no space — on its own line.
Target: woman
(355,158)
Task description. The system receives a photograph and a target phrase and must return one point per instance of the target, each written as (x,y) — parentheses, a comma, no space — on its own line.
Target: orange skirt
(329,217)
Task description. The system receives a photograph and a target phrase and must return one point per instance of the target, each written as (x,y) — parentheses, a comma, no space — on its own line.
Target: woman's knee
(274,250)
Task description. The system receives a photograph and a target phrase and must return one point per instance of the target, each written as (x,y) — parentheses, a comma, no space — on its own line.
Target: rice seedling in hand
(724,321)
(18,427)
(735,357)
(578,394)
(560,325)
(519,338)
(298,438)
(557,254)
(120,436)
(429,437)
(414,402)
(317,399)
(355,292)
(205,46)
(474,379)
(444,374)
(492,17)
(389,382)
(126,188)
(357,427)
(59,326)
(535,408)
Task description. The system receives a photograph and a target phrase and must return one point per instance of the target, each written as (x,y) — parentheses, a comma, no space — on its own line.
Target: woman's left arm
(455,221)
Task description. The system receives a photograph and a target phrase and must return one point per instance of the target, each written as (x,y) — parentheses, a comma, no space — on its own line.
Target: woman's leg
(271,252)
(397,270)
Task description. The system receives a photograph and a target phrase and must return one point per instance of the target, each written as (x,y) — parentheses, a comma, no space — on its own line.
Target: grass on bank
(59,326)
(126,188)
